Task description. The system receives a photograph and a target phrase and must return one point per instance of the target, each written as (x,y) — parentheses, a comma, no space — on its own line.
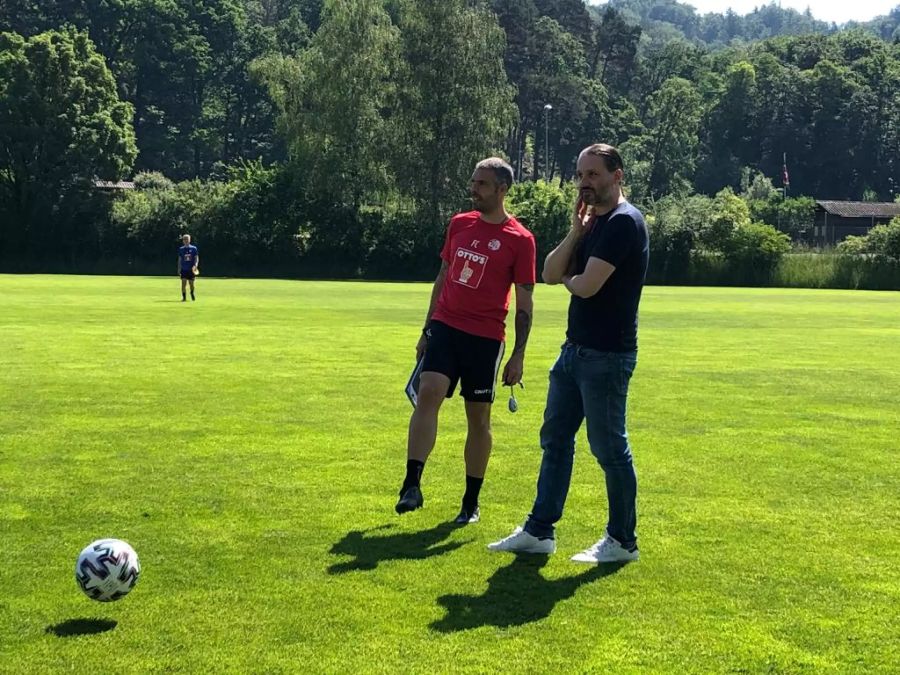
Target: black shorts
(470,359)
(187,274)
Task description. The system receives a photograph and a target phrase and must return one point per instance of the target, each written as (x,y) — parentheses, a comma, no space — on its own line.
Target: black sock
(473,487)
(414,470)
(183,295)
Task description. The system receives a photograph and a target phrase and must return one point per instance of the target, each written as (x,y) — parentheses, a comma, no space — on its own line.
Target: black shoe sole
(409,503)
(405,506)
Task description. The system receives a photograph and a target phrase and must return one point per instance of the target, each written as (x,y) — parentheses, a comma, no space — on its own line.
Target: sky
(839,11)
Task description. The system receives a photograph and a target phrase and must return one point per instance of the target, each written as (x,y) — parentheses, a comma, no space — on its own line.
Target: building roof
(861,209)
(114,185)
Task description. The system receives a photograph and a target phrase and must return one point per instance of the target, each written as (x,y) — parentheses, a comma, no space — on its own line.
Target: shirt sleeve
(616,241)
(526,262)
(446,253)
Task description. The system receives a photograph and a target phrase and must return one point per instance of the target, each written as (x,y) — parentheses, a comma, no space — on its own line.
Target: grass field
(250,446)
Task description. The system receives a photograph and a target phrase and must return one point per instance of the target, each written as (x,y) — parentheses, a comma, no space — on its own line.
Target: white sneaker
(606,550)
(522,542)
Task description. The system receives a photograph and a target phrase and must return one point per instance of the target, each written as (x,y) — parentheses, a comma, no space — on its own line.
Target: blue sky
(839,11)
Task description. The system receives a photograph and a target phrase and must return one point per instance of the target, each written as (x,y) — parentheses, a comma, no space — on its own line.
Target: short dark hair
(502,170)
(611,157)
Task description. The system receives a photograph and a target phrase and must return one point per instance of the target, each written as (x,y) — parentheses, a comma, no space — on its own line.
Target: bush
(793,216)
(244,224)
(755,250)
(545,209)
(729,213)
(398,247)
(151,221)
(673,224)
(152,180)
(882,240)
(260,221)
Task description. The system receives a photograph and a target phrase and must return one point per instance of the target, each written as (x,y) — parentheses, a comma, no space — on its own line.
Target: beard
(483,204)
(592,196)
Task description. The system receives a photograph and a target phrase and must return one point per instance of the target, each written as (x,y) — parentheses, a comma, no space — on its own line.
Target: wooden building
(835,221)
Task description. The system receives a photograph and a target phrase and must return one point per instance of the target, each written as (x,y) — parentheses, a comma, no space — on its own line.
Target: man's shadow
(368,551)
(517,594)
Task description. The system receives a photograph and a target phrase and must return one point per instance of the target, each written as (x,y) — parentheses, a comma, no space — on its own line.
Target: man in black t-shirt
(602,262)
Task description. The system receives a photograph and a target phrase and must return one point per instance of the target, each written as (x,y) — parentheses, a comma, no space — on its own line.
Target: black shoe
(184,299)
(410,499)
(467,517)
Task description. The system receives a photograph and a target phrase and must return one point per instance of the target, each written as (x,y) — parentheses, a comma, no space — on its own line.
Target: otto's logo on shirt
(468,255)
(468,268)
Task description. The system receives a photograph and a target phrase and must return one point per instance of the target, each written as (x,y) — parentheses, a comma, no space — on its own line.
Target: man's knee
(612,454)
(432,391)
(557,444)
(478,416)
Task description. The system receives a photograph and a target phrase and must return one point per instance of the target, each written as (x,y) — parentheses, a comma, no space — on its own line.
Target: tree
(558,76)
(835,126)
(518,18)
(613,51)
(730,143)
(183,65)
(673,59)
(455,103)
(673,123)
(61,125)
(572,15)
(334,100)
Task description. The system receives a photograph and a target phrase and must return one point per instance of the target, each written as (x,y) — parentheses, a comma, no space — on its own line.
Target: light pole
(547,109)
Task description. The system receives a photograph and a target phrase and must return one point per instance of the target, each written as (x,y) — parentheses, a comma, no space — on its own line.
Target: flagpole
(785,181)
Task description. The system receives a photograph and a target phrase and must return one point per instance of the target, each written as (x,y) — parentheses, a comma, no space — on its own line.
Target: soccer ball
(107,569)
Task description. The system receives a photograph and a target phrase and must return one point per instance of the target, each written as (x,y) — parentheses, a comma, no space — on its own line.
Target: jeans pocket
(591,355)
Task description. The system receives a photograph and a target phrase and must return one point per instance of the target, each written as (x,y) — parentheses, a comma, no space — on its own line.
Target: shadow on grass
(369,550)
(516,594)
(74,627)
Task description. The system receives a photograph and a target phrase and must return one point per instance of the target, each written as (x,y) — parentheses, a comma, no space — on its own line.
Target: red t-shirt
(484,260)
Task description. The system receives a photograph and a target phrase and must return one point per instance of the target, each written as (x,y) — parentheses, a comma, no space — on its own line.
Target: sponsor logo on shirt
(468,268)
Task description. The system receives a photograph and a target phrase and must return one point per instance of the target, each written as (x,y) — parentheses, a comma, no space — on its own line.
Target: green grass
(832,270)
(250,446)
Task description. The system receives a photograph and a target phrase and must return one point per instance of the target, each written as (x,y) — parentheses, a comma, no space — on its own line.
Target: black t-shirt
(608,320)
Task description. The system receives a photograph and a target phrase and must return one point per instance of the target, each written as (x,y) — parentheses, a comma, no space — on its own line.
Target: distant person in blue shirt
(188,262)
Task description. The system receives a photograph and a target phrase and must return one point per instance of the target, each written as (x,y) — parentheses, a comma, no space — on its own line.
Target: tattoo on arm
(523,323)
(523,328)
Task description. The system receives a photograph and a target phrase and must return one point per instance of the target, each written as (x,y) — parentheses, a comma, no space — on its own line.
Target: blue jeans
(593,385)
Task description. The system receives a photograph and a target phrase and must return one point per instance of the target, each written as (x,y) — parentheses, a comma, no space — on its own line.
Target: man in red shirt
(486,251)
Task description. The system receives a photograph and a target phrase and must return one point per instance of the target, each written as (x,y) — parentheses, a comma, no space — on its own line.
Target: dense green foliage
(61,123)
(662,19)
(366,117)
(882,240)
